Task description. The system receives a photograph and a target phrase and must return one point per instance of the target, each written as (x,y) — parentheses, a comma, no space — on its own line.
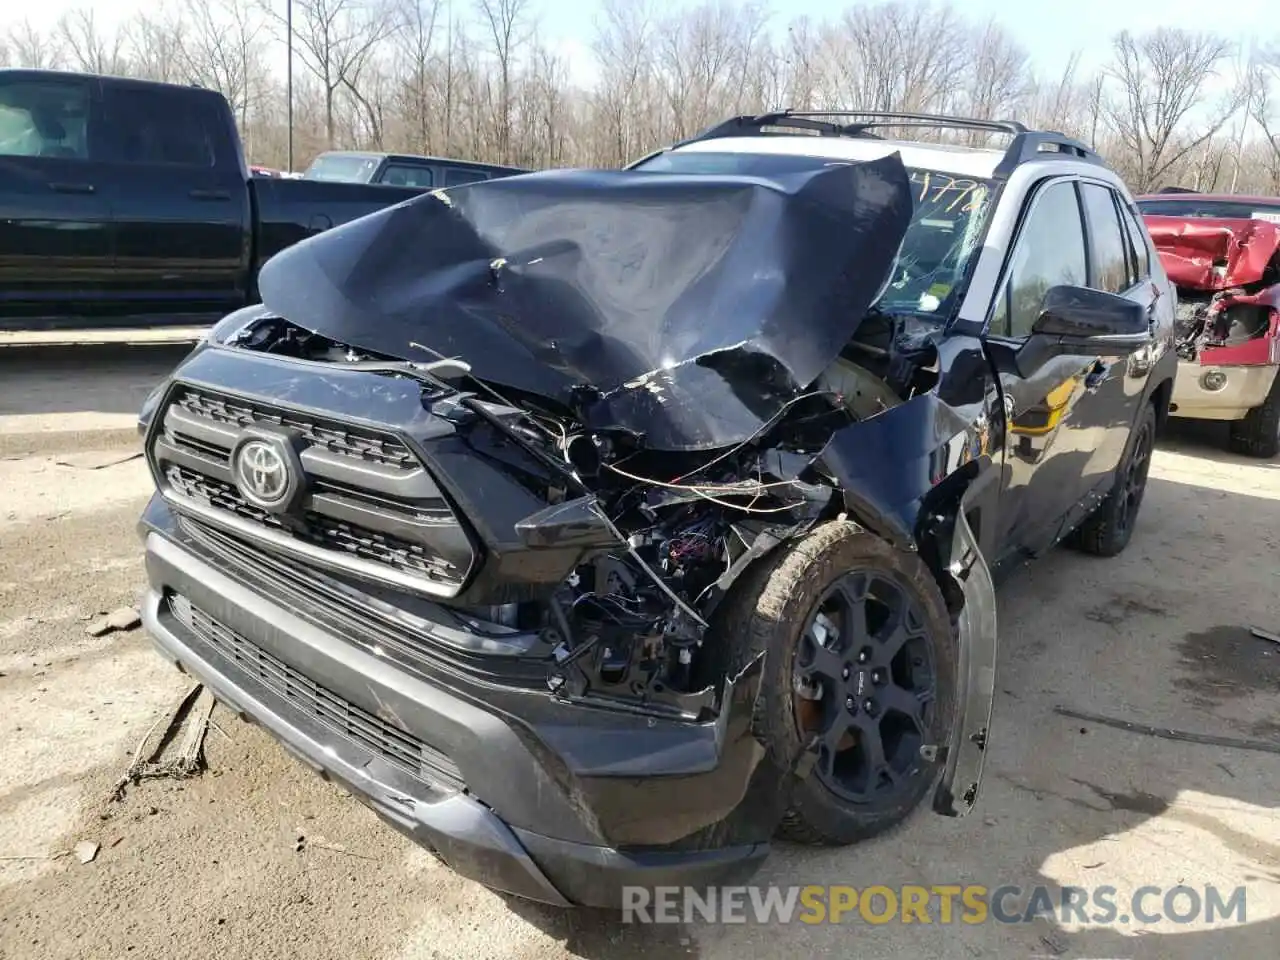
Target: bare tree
(1060,104)
(1264,109)
(905,55)
(153,44)
(1160,80)
(416,59)
(222,46)
(89,47)
(26,46)
(706,62)
(998,79)
(624,37)
(336,39)
(506,28)
(544,110)
(801,65)
(479,81)
(1095,106)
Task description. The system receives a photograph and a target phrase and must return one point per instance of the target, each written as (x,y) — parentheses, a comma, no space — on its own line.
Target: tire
(1258,434)
(1108,530)
(771,612)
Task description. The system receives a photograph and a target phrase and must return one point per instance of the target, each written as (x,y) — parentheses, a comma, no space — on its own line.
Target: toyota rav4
(596,528)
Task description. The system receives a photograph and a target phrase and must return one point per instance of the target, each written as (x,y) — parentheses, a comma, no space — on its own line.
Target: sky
(1050,31)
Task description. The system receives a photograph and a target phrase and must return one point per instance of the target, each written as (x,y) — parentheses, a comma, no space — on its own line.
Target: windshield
(1218,209)
(343,168)
(943,237)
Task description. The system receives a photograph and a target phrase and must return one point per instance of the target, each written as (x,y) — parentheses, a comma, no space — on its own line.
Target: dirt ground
(212,867)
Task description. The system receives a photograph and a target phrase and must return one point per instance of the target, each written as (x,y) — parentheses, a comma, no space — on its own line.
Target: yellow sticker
(940,290)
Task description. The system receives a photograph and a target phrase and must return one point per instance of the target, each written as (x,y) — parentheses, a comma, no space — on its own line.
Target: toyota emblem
(262,473)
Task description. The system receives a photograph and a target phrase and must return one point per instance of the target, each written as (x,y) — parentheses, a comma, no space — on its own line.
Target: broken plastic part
(976,675)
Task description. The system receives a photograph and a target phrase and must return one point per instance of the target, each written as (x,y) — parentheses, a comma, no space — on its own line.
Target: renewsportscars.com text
(941,904)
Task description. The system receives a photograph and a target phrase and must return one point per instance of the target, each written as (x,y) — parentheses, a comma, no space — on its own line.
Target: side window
(157,127)
(1049,251)
(402,175)
(1138,236)
(1110,263)
(456,176)
(42,118)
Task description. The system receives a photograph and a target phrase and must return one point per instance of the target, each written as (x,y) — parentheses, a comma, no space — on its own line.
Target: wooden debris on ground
(178,749)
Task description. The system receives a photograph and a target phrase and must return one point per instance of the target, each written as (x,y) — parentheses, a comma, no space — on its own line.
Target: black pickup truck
(126,203)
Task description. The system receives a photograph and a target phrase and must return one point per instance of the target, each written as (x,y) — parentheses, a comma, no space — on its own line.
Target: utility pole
(288,73)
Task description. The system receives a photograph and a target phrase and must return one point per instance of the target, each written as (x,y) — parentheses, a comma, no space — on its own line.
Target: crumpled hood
(686,309)
(1213,254)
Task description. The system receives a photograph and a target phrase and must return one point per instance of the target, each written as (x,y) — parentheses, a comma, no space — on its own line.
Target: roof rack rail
(1026,144)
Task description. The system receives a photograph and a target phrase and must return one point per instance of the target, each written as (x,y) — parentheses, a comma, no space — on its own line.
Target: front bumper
(493,801)
(1245,387)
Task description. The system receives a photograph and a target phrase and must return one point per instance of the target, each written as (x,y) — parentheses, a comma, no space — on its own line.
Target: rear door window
(1138,242)
(161,128)
(1107,241)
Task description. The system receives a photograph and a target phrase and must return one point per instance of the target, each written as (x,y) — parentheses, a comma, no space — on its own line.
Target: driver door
(1061,416)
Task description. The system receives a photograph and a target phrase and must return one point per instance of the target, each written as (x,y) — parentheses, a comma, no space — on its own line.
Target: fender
(941,474)
(976,676)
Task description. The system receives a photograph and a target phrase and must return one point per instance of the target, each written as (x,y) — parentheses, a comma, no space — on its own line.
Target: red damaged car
(1223,255)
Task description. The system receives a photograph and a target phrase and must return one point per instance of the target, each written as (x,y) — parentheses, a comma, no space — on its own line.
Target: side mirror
(1084,321)
(1085,318)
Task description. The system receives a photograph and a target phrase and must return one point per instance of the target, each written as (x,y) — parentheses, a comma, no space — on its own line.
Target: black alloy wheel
(865,682)
(859,674)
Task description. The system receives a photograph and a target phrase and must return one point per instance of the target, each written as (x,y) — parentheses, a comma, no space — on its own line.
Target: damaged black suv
(595,528)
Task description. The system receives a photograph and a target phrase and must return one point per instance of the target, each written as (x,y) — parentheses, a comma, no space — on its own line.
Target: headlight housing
(224,331)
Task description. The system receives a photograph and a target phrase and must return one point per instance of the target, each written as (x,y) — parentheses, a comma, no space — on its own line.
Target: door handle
(59,187)
(210,195)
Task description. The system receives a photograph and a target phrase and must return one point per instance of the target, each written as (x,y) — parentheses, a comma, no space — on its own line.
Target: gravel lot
(209,867)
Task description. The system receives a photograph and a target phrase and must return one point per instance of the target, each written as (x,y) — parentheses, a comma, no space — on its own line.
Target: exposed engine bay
(664,534)
(1227,273)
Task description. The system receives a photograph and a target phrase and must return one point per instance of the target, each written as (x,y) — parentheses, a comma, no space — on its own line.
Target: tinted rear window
(344,169)
(454,176)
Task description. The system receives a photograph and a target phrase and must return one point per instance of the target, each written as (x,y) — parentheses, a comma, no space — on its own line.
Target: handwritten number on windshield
(965,194)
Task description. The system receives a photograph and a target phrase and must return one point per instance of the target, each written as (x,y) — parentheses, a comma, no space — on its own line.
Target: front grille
(315,528)
(360,727)
(368,506)
(344,440)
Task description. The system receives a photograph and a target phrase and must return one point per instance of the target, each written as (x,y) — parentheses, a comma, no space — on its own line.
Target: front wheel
(860,657)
